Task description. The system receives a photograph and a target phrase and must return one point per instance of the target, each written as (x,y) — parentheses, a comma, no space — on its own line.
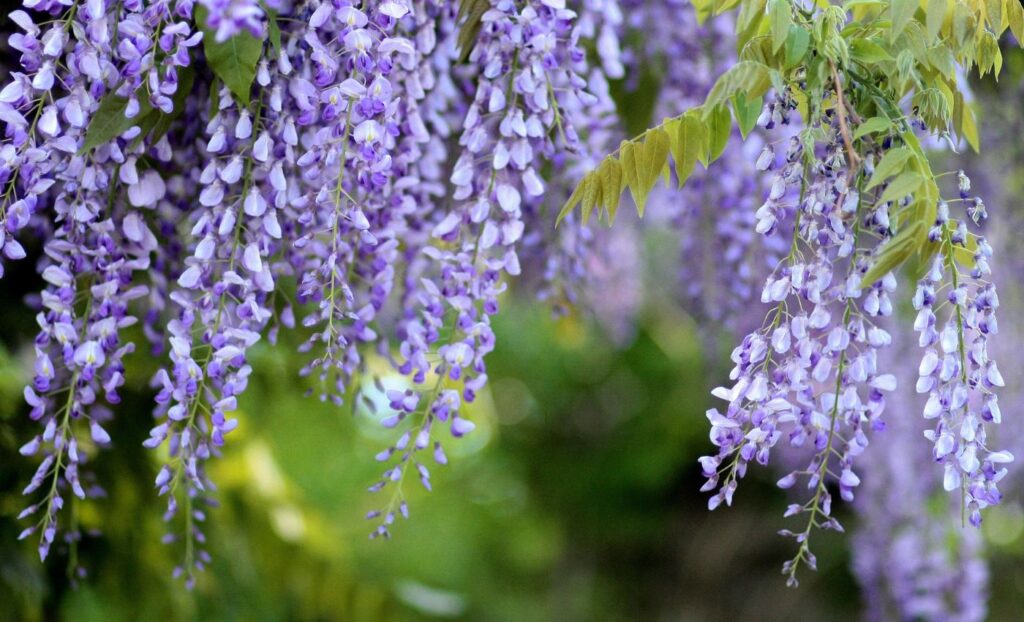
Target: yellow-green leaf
(642,163)
(994,11)
(868,52)
(969,127)
(935,17)
(900,14)
(1015,17)
(964,23)
(748,20)
(894,253)
(574,199)
(903,185)
(872,126)
(610,175)
(749,77)
(890,164)
(781,17)
(719,130)
(591,197)
(688,142)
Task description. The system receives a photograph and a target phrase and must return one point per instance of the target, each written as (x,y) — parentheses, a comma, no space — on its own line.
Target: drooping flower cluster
(524,65)
(956,371)
(913,562)
(809,376)
(360,158)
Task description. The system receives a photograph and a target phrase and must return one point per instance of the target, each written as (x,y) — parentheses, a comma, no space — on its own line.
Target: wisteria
(375,176)
(810,374)
(328,164)
(955,371)
(913,562)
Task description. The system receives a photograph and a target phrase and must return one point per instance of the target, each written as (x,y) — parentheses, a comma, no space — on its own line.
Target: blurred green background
(575,499)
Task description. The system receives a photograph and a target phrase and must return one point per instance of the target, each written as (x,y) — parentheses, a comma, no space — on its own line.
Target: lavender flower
(913,562)
(956,371)
(809,374)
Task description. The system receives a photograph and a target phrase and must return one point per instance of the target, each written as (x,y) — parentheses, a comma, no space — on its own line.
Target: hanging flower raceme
(330,162)
(350,87)
(956,372)
(525,58)
(809,376)
(913,562)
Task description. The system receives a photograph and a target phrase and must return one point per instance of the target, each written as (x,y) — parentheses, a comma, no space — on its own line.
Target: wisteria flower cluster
(849,197)
(183,163)
(374,175)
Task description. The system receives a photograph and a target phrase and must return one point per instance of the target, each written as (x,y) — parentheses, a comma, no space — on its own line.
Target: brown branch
(841,108)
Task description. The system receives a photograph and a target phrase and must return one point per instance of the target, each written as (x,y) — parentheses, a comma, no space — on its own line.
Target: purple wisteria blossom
(956,372)
(913,562)
(524,61)
(221,171)
(230,17)
(809,376)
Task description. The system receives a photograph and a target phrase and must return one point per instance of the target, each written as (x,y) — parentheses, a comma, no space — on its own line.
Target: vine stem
(843,128)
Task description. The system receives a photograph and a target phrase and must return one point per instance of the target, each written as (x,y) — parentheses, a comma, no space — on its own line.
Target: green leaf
(591,196)
(935,17)
(748,20)
(609,174)
(642,163)
(746,112)
(903,185)
(719,130)
(781,18)
(723,6)
(964,255)
(889,165)
(872,126)
(969,127)
(964,23)
(797,44)
(1015,17)
(109,122)
(472,11)
(573,200)
(994,11)
(704,9)
(868,52)
(273,29)
(941,58)
(162,123)
(233,61)
(688,142)
(894,253)
(748,77)
(900,14)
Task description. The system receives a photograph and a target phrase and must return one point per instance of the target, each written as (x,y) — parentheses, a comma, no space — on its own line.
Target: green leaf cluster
(699,135)
(879,53)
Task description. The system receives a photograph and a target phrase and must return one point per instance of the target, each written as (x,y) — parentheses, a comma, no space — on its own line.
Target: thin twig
(843,129)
